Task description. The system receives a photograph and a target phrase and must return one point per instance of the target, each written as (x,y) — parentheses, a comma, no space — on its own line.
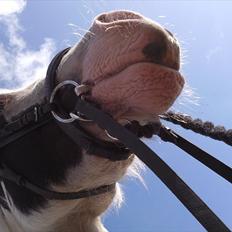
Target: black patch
(155,51)
(43,156)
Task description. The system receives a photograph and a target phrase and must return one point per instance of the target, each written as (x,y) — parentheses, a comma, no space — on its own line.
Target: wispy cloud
(20,65)
(213,53)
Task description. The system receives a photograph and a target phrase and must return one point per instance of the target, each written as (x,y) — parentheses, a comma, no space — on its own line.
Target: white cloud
(20,65)
(8,7)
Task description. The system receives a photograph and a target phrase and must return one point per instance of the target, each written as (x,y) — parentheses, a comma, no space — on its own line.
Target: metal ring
(110,136)
(76,117)
(58,118)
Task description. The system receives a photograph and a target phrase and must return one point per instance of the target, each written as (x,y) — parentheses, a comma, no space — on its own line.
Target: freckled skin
(141,89)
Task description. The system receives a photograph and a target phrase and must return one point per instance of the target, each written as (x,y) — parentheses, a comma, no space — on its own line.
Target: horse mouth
(148,124)
(139,92)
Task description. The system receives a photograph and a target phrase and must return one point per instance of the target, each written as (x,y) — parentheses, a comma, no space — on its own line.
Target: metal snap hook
(110,136)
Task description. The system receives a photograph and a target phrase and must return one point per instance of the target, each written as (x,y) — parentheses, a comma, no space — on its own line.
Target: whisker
(79,35)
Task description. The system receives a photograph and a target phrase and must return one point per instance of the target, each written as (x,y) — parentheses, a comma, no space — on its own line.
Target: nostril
(102,18)
(117,16)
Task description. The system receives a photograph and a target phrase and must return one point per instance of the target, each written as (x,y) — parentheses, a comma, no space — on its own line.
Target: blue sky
(38,29)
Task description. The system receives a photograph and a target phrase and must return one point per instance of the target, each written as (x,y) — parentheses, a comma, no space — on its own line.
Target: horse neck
(22,99)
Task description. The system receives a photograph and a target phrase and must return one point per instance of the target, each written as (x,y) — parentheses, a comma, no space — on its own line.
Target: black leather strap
(13,136)
(39,115)
(92,146)
(50,81)
(8,174)
(27,121)
(179,188)
(208,160)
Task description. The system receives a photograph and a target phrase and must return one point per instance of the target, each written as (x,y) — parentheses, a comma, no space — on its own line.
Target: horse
(128,65)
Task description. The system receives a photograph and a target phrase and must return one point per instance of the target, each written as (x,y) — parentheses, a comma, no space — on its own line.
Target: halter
(40,114)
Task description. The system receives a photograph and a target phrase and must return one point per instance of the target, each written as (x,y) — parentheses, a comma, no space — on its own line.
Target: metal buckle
(36,113)
(73,116)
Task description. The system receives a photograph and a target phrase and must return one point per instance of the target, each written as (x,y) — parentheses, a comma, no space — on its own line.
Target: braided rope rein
(197,125)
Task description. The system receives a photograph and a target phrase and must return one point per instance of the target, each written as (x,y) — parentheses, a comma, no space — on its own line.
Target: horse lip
(112,74)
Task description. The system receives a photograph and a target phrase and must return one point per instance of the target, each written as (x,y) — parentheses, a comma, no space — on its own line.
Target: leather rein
(40,114)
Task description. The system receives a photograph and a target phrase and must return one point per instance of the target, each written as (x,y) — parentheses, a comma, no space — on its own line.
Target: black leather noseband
(179,188)
(92,145)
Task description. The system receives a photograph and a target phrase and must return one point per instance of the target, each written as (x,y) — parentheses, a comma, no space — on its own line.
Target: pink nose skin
(115,16)
(156,50)
(131,62)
